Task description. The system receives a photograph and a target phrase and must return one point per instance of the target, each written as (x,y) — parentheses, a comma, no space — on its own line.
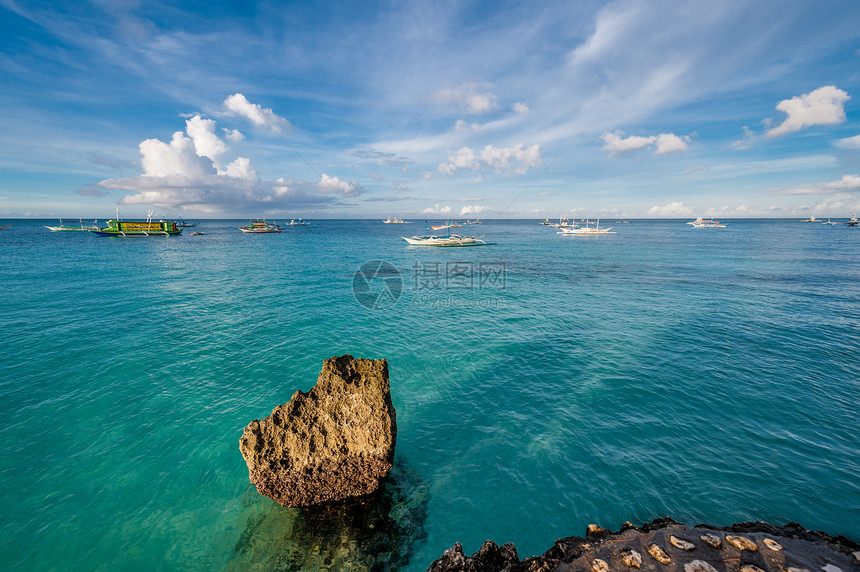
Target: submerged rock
(334,442)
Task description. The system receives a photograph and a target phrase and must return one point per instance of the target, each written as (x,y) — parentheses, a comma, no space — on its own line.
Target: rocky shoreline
(667,546)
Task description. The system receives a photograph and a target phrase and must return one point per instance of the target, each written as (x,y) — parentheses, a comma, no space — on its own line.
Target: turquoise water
(541,383)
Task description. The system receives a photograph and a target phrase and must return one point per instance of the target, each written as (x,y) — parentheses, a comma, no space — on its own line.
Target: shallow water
(541,383)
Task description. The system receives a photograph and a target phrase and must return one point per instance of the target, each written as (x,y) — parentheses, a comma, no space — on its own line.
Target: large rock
(333,442)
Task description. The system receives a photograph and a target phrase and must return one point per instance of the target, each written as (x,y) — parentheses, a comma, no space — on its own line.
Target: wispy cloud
(515,159)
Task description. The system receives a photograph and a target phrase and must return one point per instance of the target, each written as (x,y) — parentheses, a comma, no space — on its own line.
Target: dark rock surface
(334,442)
(746,547)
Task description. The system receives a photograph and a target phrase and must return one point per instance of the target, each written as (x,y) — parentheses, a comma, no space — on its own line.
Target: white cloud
(233,135)
(671,143)
(849,142)
(520,108)
(436,209)
(241,169)
(847,184)
(824,106)
(468,98)
(238,104)
(179,157)
(676,209)
(664,143)
(615,143)
(473,209)
(338,186)
(206,143)
(517,159)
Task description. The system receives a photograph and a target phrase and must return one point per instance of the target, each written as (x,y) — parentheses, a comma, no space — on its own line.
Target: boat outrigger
(447,240)
(123,228)
(72,227)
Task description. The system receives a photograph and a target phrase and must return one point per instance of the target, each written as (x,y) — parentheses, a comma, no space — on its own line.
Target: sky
(430,109)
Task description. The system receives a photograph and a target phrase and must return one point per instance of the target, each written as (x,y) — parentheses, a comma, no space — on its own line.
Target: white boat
(396,220)
(184,223)
(703,223)
(810,219)
(590,229)
(447,240)
(853,220)
(260,226)
(299,222)
(830,222)
(66,227)
(546,222)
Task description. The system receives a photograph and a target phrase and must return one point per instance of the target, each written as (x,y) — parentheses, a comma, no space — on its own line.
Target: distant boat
(622,221)
(73,227)
(810,219)
(396,220)
(831,223)
(702,223)
(184,223)
(260,226)
(476,221)
(851,221)
(546,222)
(446,240)
(6,226)
(587,230)
(299,222)
(138,228)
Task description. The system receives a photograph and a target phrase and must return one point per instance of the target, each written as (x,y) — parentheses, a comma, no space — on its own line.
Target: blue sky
(430,109)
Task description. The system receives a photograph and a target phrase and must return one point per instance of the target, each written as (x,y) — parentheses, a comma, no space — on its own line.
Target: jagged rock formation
(666,546)
(333,442)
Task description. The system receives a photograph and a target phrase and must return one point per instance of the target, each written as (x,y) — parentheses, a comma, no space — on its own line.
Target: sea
(541,383)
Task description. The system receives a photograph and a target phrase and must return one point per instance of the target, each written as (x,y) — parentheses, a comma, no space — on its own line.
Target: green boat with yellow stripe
(125,228)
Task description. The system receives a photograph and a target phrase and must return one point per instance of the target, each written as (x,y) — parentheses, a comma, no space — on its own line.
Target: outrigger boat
(702,223)
(67,227)
(299,222)
(447,240)
(587,230)
(396,220)
(123,228)
(260,226)
(184,223)
(853,220)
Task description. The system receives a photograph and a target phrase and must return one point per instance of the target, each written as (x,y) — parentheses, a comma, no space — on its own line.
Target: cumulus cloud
(187,172)
(664,143)
(473,209)
(238,105)
(515,159)
(824,106)
(338,186)
(676,209)
(179,157)
(233,135)
(470,98)
(436,209)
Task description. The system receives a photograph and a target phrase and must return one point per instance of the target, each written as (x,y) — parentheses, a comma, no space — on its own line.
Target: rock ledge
(667,546)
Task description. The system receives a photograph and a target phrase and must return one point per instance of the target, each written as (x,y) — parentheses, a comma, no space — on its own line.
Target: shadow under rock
(374,532)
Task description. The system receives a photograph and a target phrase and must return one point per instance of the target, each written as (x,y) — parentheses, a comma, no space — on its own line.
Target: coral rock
(741,543)
(658,554)
(334,442)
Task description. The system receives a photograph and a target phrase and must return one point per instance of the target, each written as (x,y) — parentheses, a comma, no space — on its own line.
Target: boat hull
(128,229)
(444,241)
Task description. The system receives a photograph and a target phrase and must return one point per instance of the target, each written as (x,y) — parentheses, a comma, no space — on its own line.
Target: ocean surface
(541,382)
